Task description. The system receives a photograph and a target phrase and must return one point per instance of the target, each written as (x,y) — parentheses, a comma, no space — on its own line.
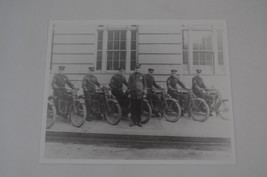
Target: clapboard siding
(159,29)
(73,58)
(160,69)
(73,49)
(74,68)
(76,39)
(74,29)
(159,48)
(160,38)
(160,59)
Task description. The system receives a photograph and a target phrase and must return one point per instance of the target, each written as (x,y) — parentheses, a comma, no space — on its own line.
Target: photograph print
(137,92)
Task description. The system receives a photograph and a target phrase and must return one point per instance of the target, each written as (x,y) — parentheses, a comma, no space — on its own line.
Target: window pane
(133,35)
(123,45)
(122,65)
(100,35)
(110,35)
(123,35)
(116,65)
(220,58)
(116,45)
(116,56)
(202,40)
(133,55)
(109,65)
(99,45)
(185,57)
(133,45)
(133,63)
(99,55)
(98,65)
(123,56)
(117,35)
(185,40)
(110,45)
(109,56)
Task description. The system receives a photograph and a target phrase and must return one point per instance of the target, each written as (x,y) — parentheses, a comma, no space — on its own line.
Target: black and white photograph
(136,91)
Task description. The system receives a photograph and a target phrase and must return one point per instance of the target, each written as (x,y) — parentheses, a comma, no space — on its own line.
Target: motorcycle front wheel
(78,114)
(146,112)
(200,112)
(113,115)
(223,110)
(51,115)
(171,111)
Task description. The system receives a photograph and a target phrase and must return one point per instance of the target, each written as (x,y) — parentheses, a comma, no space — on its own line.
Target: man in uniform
(137,86)
(89,85)
(172,82)
(199,87)
(150,80)
(116,85)
(58,85)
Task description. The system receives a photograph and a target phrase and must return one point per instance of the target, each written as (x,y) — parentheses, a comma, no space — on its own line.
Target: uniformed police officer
(150,80)
(137,86)
(172,83)
(89,85)
(116,84)
(199,87)
(58,84)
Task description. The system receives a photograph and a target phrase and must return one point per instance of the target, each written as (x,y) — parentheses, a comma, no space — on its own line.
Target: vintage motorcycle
(197,108)
(104,103)
(69,106)
(162,103)
(217,104)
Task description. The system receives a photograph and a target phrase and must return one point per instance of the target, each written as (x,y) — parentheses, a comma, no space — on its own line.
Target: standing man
(150,80)
(172,82)
(89,85)
(116,84)
(137,86)
(58,85)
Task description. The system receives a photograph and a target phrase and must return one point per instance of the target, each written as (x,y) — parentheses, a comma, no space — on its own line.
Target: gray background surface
(23,39)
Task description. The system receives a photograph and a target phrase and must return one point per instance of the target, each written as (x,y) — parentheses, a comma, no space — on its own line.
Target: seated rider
(150,80)
(172,82)
(58,85)
(89,85)
(116,84)
(199,87)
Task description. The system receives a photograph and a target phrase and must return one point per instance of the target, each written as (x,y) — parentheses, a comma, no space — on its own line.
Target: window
(99,50)
(202,49)
(116,51)
(133,49)
(116,48)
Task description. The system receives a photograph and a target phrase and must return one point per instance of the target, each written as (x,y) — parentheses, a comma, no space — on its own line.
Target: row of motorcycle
(71,106)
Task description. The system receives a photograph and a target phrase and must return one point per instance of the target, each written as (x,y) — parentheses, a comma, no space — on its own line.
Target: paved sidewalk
(184,127)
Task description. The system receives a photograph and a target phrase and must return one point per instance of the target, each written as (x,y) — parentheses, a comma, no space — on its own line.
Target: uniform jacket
(117,81)
(172,82)
(60,80)
(151,82)
(89,82)
(137,84)
(198,83)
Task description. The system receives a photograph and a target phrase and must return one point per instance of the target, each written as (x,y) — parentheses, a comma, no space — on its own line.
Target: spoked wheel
(201,111)
(171,110)
(114,115)
(78,114)
(146,112)
(51,115)
(223,110)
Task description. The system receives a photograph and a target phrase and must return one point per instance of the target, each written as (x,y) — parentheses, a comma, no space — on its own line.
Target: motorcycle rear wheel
(146,112)
(51,115)
(223,110)
(113,116)
(78,115)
